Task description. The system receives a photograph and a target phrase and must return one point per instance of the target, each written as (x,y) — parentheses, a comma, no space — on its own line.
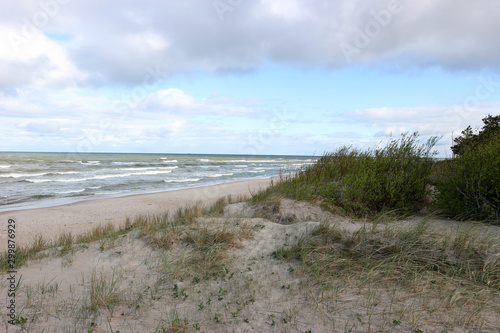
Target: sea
(33,180)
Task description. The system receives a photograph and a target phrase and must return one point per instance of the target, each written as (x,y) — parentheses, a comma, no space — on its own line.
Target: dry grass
(197,270)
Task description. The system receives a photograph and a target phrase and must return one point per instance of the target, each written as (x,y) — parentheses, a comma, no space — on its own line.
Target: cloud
(176,100)
(34,60)
(116,41)
(445,122)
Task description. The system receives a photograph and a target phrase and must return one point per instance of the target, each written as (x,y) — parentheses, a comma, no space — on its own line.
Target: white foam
(72,180)
(64,173)
(38,180)
(124,163)
(91,162)
(181,180)
(4,166)
(21,175)
(72,191)
(219,175)
(203,160)
(169,161)
(152,168)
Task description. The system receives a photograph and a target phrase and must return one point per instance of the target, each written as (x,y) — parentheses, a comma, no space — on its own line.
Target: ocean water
(29,180)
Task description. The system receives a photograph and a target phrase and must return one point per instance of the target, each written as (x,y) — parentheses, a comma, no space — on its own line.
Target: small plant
(103,291)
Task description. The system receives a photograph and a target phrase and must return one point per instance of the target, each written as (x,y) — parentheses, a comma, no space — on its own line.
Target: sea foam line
(181,180)
(99,177)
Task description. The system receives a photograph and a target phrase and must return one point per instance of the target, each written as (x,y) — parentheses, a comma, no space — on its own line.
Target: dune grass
(364,183)
(157,230)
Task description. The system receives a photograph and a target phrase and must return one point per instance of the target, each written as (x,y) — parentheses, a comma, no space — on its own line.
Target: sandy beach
(226,271)
(84,215)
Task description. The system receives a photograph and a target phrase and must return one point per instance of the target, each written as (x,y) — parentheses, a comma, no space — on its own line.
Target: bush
(392,178)
(471,189)
(367,183)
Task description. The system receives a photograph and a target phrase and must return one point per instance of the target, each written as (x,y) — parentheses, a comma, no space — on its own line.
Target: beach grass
(394,178)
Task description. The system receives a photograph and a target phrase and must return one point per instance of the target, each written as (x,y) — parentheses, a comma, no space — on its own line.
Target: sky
(286,77)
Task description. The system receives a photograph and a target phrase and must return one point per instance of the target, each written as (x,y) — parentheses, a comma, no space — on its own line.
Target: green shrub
(366,183)
(471,188)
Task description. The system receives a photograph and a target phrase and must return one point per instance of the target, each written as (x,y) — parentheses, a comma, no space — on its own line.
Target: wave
(69,161)
(90,162)
(220,175)
(181,180)
(241,166)
(23,175)
(151,168)
(72,180)
(38,180)
(4,166)
(203,160)
(27,175)
(71,191)
(169,161)
(124,163)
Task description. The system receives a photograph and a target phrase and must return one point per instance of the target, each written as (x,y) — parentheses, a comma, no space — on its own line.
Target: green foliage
(366,183)
(469,140)
(471,188)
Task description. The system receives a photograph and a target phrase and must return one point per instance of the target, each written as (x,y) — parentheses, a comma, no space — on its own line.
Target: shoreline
(81,216)
(55,202)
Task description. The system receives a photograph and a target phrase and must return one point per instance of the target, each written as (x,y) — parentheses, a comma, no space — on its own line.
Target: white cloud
(442,121)
(170,98)
(34,60)
(116,43)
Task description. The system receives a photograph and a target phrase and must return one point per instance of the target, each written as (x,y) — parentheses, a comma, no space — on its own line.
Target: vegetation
(469,187)
(366,183)
(470,140)
(395,255)
(364,266)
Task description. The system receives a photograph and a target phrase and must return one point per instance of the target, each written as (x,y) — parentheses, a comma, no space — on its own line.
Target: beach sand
(82,216)
(130,284)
